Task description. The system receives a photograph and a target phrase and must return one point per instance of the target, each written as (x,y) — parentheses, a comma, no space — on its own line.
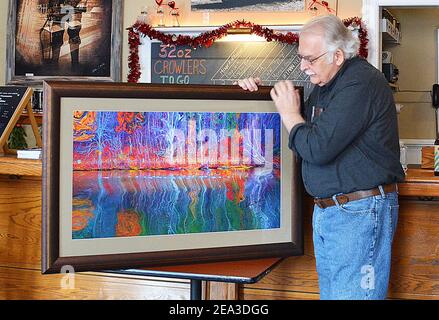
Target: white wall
(347,8)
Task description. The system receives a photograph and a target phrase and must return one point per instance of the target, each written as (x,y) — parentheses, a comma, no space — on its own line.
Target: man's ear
(339,57)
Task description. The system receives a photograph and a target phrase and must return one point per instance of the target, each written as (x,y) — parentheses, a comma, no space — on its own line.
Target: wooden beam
(221,291)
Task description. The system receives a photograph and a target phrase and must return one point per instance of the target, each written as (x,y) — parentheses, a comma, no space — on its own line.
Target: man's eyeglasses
(311,60)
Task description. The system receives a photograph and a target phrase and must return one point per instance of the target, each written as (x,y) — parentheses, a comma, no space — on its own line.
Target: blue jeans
(352,246)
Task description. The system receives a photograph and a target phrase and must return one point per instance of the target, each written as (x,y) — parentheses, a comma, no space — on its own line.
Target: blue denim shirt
(350,139)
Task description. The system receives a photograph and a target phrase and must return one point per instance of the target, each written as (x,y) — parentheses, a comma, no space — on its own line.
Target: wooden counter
(419,182)
(10,165)
(415,260)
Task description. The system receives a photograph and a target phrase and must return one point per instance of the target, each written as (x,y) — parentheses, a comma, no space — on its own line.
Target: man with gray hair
(348,141)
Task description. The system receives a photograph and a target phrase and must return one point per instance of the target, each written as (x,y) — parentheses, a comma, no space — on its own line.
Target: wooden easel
(25,103)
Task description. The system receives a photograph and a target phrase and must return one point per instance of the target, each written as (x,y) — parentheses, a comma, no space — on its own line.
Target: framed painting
(64,40)
(248,5)
(146,175)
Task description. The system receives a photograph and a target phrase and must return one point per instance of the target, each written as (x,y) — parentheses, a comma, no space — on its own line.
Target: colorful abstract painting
(164,173)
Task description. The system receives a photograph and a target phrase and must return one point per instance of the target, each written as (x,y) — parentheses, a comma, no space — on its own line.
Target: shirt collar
(345,64)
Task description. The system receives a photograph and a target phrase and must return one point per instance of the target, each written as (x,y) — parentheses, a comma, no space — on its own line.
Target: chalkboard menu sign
(10,99)
(226,62)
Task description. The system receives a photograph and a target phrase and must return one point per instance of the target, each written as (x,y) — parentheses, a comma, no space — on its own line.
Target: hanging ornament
(325,5)
(174,14)
(143,17)
(160,13)
(316,6)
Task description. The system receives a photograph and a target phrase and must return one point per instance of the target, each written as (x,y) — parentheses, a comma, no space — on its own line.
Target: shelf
(10,165)
(390,33)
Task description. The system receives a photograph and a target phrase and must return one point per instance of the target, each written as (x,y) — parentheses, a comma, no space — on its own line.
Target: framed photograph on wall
(148,175)
(64,39)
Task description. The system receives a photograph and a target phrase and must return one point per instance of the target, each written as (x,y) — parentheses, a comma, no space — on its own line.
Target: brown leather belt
(357,195)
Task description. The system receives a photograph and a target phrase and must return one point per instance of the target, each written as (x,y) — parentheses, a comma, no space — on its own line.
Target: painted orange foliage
(128,224)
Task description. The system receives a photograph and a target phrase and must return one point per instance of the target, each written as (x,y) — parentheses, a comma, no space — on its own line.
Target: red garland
(133,60)
(206,39)
(357,23)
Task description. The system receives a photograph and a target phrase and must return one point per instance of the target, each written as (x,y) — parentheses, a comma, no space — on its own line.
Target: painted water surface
(161,173)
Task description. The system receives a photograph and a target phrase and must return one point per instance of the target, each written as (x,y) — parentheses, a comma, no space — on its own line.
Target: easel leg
(195,289)
(34,125)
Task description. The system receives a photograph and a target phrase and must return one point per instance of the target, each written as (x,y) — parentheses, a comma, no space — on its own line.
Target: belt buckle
(342,199)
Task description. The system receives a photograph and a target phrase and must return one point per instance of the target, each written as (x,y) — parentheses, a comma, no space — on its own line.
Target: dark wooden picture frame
(112,68)
(56,97)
